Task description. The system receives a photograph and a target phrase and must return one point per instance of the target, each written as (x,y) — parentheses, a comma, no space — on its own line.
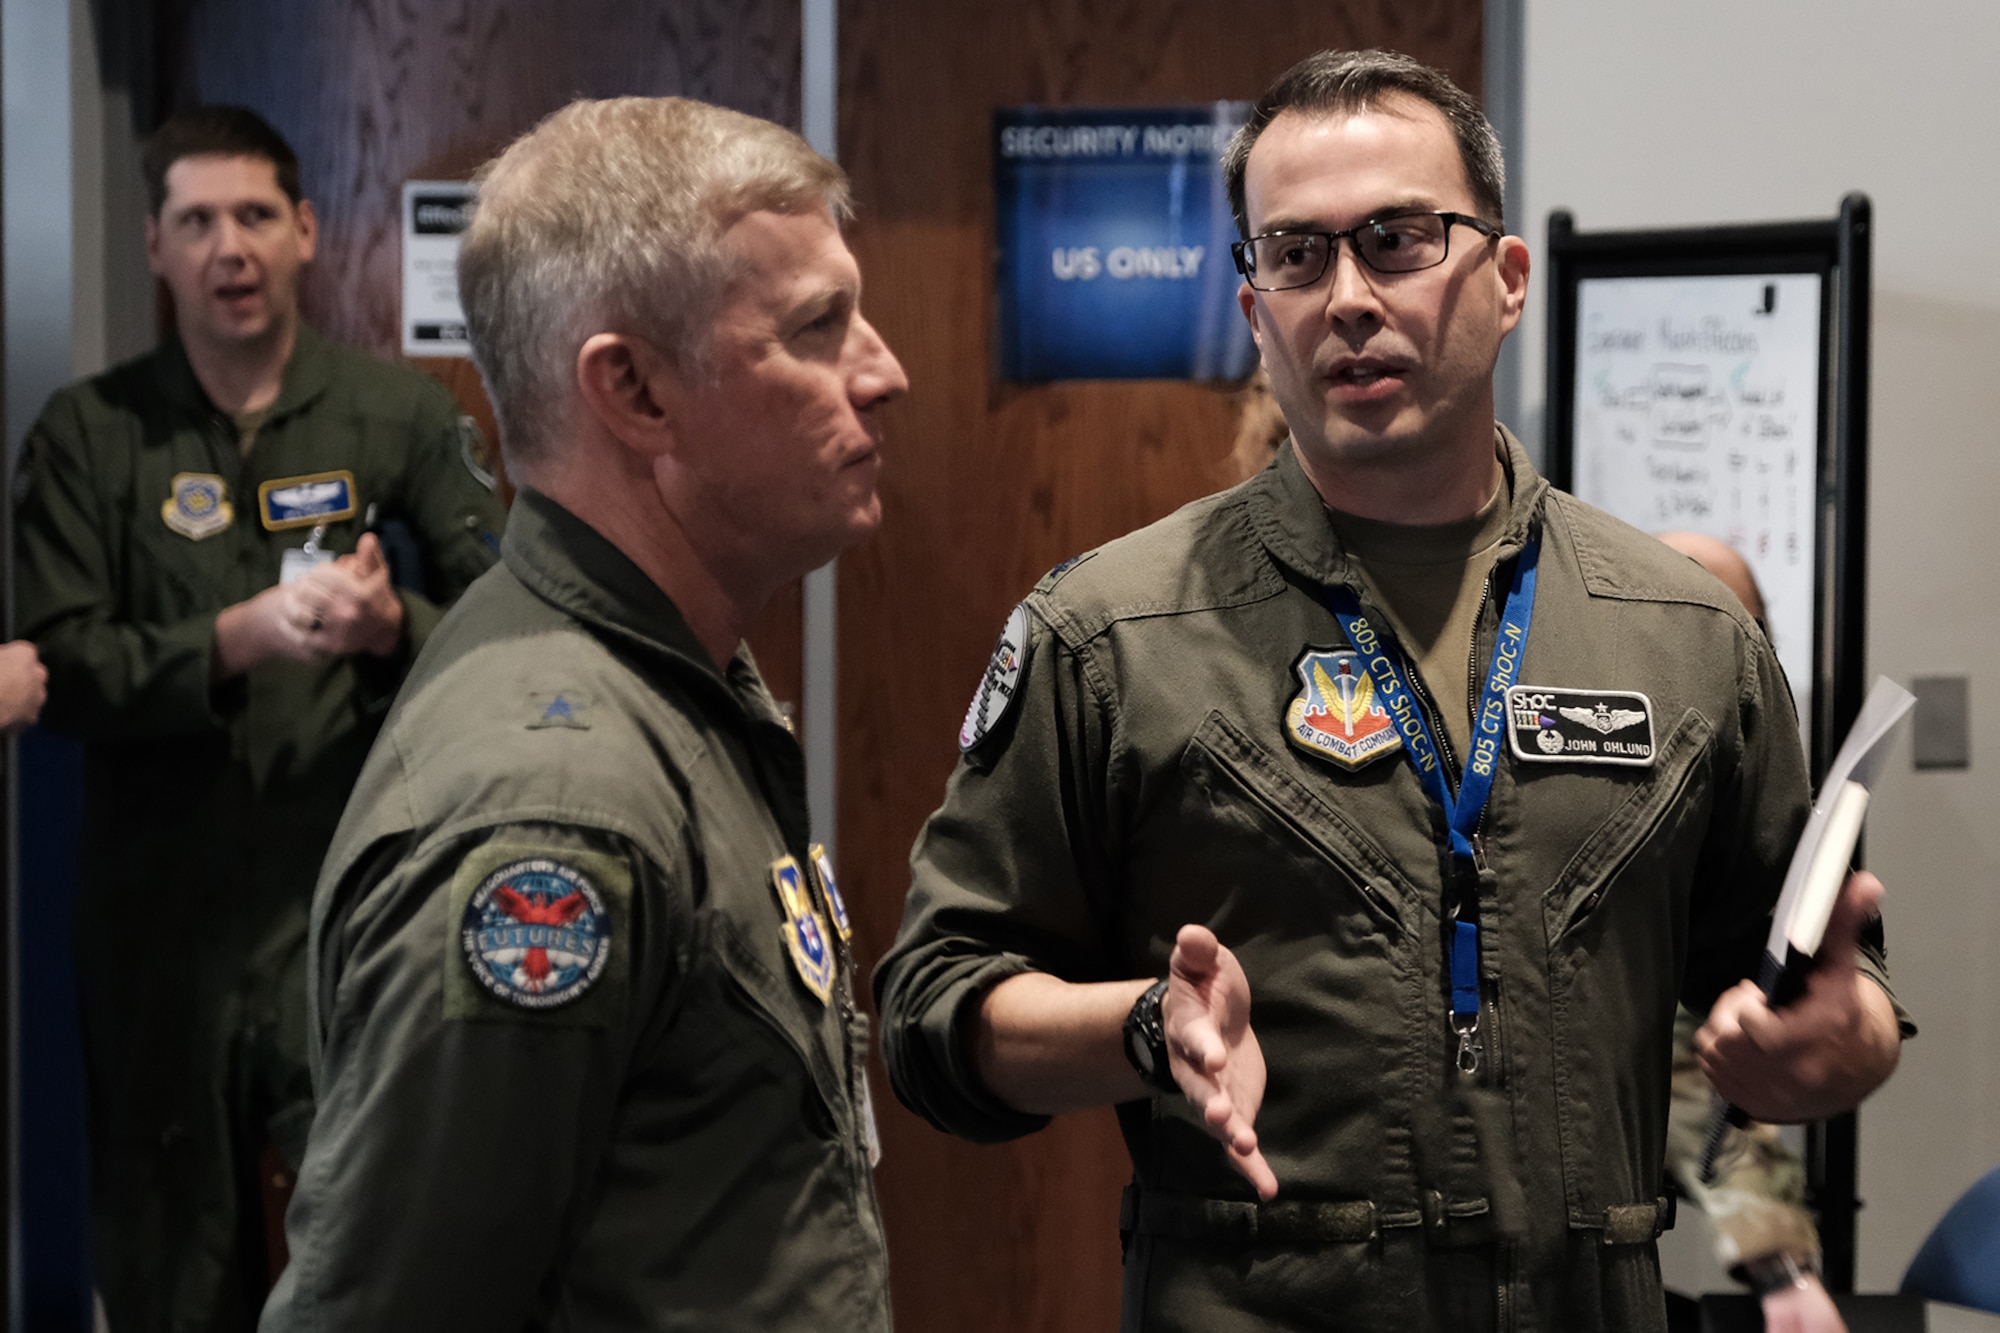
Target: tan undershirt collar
(1428,579)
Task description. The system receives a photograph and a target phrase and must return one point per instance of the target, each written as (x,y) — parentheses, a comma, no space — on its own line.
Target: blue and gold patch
(198,506)
(805,929)
(836,906)
(300,502)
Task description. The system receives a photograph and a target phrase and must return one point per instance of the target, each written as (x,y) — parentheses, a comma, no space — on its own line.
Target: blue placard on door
(1114,231)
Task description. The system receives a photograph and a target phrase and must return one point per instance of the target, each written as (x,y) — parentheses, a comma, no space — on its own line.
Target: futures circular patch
(536,934)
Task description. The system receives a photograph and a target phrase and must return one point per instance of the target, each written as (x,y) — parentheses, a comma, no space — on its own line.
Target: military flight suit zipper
(1503,1311)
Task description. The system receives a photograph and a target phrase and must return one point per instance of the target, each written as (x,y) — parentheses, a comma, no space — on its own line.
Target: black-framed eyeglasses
(1403,243)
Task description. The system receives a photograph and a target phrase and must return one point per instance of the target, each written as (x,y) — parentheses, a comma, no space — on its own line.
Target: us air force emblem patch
(805,930)
(996,688)
(535,933)
(1335,714)
(1547,725)
(836,906)
(198,507)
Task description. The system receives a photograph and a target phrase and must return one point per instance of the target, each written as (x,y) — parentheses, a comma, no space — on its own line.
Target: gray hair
(1345,83)
(608,217)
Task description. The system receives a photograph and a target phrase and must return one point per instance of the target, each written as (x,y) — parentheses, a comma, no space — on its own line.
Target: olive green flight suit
(659,1124)
(1142,776)
(207,809)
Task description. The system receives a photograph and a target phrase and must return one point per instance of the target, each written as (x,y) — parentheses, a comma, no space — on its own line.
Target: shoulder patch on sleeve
(533,934)
(995,694)
(474,453)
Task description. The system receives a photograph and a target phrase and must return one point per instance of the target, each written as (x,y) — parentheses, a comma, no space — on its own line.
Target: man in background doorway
(198,565)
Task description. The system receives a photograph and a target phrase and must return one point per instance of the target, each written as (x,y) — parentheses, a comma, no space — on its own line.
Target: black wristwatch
(1146,1040)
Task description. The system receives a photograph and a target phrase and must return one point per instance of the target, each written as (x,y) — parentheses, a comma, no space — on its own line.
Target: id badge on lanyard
(300,561)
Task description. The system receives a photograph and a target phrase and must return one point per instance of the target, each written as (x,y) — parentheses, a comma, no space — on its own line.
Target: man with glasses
(1463,782)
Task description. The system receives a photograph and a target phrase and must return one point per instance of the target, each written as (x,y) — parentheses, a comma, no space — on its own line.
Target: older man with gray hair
(582,1020)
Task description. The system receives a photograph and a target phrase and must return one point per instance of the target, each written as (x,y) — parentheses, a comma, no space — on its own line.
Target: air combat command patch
(535,933)
(1549,725)
(1335,714)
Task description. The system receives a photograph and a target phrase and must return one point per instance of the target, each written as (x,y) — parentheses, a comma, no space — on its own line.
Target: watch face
(1141,1052)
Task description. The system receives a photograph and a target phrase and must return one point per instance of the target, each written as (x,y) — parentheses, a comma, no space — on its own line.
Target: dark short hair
(1344,83)
(216,131)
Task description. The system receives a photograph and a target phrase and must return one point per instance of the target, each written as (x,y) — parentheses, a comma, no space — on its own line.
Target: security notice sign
(434,215)
(1113,230)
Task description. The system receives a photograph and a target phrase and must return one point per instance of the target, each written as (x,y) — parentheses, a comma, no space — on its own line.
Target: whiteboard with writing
(1697,409)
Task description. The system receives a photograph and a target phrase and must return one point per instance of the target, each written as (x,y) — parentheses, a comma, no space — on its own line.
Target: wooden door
(373,95)
(986,487)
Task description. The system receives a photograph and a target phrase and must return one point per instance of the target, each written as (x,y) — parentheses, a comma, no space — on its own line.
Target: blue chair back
(1960,1260)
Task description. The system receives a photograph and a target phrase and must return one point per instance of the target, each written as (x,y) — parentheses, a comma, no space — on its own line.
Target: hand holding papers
(1818,870)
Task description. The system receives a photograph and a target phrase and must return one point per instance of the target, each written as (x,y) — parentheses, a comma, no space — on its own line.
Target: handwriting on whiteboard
(1697,407)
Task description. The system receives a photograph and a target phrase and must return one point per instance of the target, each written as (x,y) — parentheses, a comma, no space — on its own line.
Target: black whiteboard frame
(1839,251)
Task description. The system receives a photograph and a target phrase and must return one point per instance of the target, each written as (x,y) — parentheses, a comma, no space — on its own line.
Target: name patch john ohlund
(1548,725)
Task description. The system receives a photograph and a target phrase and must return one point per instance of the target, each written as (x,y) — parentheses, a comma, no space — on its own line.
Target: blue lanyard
(1462,809)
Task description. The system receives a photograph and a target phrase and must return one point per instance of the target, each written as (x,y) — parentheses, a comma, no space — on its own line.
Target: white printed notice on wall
(1697,409)
(434,214)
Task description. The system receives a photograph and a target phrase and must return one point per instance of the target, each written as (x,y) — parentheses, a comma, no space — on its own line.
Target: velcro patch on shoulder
(1547,725)
(566,709)
(538,934)
(1055,576)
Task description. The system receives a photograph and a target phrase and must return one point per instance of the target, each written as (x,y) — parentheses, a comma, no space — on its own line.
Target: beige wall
(1720,111)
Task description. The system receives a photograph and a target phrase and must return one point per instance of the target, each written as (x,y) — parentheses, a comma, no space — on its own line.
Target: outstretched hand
(1214,1054)
(1819,1055)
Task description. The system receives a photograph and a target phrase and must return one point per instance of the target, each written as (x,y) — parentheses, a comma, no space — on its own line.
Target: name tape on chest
(298,502)
(536,934)
(997,687)
(197,506)
(1547,725)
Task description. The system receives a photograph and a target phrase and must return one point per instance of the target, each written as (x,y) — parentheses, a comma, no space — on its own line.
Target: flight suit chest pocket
(749,941)
(1243,828)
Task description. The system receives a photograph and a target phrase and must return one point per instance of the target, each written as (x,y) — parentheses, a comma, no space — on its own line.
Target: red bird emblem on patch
(561,912)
